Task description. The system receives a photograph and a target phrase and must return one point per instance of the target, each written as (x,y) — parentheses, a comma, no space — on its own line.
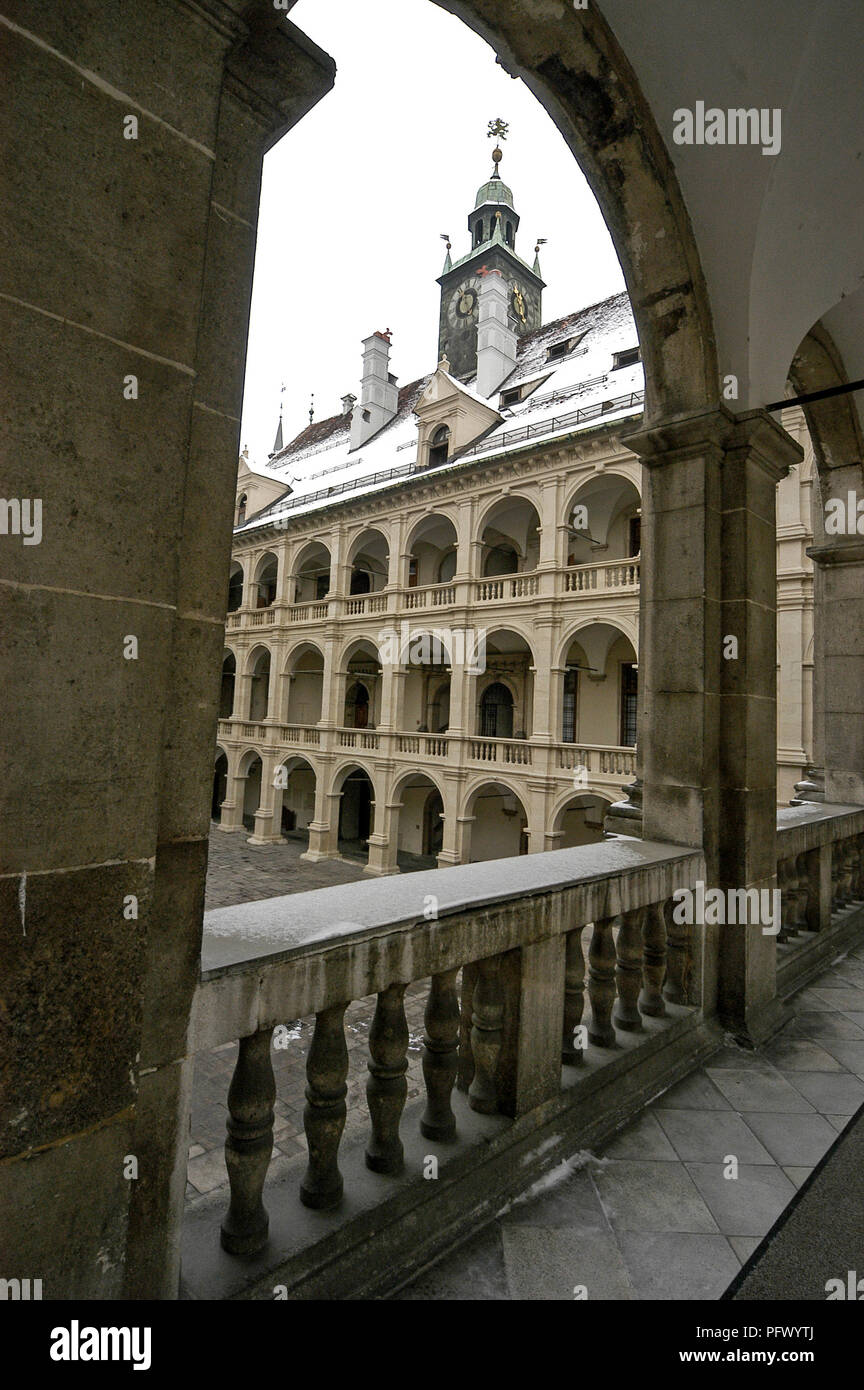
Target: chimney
(348,403)
(379,394)
(496,340)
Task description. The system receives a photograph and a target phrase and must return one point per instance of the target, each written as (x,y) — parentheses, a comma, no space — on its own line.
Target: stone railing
(609,761)
(514,752)
(820,875)
(615,574)
(308,612)
(431,596)
(300,733)
(507,587)
(505,1048)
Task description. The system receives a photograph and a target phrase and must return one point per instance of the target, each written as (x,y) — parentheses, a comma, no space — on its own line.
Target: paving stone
(475,1272)
(747,1205)
(709,1135)
(551,1264)
(798,1176)
(850,1053)
(696,1092)
(757,1090)
(831,1093)
(843,998)
(794,1139)
(800,1054)
(676,1265)
(825,1024)
(743,1246)
(651,1197)
(644,1139)
(571,1201)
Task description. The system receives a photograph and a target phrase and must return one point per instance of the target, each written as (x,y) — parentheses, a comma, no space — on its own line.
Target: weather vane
(497,131)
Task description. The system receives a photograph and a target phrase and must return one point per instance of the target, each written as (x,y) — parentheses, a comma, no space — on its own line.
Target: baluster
(465,1074)
(486,1034)
(677,986)
(440,1056)
(387,1087)
(249,1145)
(601,982)
(653,962)
(835,876)
(574,997)
(846,872)
(802,892)
(628,971)
(786,882)
(324,1115)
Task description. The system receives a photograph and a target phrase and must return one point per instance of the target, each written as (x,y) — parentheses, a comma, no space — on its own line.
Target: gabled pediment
(446,401)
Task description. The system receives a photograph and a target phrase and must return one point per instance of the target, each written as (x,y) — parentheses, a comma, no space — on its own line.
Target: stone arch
(499,503)
(834,425)
(586,811)
(498,829)
(294,818)
(627,627)
(577,70)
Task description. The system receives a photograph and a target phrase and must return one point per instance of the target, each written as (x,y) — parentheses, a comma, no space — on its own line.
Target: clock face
(462,309)
(518,305)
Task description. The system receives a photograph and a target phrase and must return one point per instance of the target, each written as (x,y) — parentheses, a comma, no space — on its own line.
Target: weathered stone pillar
(384,840)
(838,673)
(707,664)
(267,829)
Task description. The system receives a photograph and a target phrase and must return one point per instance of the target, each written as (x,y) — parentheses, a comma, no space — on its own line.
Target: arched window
(496,712)
(478,233)
(502,559)
(241,509)
(357,707)
(508,236)
(439,446)
(447,567)
(235,588)
(571,691)
(267,584)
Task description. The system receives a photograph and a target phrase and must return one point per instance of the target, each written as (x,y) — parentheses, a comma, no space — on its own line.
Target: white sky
(354,198)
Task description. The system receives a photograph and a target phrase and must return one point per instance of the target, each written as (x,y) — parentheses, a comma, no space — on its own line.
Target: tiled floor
(676,1203)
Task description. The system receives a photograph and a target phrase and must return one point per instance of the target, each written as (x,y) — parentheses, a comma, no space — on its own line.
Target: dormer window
(439,447)
(558,350)
(628,358)
(241,509)
(512,397)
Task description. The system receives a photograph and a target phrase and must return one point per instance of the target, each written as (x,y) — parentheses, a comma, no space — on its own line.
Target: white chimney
(496,340)
(379,394)
(348,403)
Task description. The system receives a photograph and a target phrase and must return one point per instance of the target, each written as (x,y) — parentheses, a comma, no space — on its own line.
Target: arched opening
(226,693)
(266,576)
(604,521)
(259,695)
(355,814)
(294,804)
(505,690)
(220,785)
(362,702)
(357,704)
(427,666)
(439,446)
(510,538)
(304,674)
(580,821)
(369,559)
(508,234)
(500,825)
(496,712)
(420,834)
(235,587)
(600,688)
(312,573)
(251,790)
(432,552)
(241,509)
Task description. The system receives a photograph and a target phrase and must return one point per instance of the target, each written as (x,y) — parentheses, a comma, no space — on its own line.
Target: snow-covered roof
(574,392)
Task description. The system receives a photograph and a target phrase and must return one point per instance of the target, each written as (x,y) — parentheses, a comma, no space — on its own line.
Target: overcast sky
(354,199)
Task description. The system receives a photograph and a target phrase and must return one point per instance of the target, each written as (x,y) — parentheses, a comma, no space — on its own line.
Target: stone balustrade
(820,874)
(513,951)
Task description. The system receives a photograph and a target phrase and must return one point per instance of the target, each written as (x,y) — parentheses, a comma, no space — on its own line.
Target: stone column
(837,774)
(707,666)
(267,829)
(384,840)
(235,788)
(319,826)
(545,703)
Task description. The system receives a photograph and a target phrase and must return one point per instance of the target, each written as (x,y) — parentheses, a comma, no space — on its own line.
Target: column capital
(721,432)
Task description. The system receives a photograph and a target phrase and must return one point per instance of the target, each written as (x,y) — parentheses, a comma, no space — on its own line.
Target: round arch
(625,626)
(500,502)
(304,647)
(572,62)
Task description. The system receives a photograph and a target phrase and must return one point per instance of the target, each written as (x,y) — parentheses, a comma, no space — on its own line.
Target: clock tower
(493,226)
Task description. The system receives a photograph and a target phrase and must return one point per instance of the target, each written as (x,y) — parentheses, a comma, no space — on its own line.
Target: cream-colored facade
(359,718)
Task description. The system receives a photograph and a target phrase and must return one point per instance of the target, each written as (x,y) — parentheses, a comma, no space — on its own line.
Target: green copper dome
(495,191)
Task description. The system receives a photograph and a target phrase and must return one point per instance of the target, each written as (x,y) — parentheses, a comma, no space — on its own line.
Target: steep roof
(562,394)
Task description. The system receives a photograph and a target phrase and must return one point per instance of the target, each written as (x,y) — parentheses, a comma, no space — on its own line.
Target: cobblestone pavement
(239,872)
